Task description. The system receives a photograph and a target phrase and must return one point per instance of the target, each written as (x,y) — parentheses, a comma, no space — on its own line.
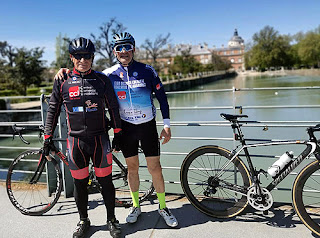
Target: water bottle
(280,163)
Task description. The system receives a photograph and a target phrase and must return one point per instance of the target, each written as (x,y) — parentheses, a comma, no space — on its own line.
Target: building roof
(236,40)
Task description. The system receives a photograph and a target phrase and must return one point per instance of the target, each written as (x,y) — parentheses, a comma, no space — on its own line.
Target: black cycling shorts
(80,150)
(146,134)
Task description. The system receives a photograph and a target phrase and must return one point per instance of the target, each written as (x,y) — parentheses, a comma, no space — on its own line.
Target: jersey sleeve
(54,109)
(112,105)
(160,93)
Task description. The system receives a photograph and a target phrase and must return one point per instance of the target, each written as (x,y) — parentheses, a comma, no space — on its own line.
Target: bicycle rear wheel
(221,196)
(120,180)
(33,197)
(306,196)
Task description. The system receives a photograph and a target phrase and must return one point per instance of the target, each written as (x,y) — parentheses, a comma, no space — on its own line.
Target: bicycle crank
(262,202)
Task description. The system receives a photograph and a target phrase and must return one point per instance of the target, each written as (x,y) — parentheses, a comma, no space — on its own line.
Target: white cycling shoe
(168,217)
(134,213)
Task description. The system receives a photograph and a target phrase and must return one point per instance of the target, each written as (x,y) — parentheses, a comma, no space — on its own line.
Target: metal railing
(189,124)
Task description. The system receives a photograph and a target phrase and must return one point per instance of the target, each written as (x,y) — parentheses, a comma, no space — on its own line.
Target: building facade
(234,52)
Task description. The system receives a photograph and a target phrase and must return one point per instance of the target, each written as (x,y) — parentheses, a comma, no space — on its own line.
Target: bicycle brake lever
(21,137)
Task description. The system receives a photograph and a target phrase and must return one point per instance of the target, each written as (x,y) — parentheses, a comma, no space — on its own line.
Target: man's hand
(116,142)
(47,147)
(61,72)
(166,135)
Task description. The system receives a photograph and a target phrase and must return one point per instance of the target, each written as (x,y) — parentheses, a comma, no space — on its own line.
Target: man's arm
(164,106)
(53,110)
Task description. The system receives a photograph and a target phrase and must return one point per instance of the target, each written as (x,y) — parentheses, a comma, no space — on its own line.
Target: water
(226,99)
(244,98)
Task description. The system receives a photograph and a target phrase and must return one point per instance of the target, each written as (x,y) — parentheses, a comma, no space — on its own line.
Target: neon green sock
(135,198)
(162,200)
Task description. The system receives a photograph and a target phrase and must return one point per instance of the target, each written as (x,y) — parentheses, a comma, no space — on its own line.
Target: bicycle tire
(36,198)
(306,196)
(198,177)
(123,195)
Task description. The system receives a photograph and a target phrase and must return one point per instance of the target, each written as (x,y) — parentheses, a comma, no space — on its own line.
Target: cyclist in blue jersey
(134,83)
(85,95)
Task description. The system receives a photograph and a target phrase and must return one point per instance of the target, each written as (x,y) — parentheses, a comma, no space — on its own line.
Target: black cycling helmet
(81,46)
(122,38)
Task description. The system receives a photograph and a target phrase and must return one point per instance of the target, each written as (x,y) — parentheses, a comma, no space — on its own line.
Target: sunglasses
(127,47)
(80,56)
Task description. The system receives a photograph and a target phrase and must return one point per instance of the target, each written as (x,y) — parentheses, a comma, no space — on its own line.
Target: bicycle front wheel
(213,191)
(29,194)
(306,196)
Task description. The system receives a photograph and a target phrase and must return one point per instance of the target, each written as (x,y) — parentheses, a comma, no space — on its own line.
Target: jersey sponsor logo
(91,107)
(77,109)
(135,74)
(122,95)
(158,86)
(121,75)
(74,92)
(136,83)
(74,78)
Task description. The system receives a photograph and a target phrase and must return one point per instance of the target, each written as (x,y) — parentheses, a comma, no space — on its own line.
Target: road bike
(34,184)
(218,183)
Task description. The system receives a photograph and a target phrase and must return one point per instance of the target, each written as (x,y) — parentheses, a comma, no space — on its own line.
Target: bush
(8,93)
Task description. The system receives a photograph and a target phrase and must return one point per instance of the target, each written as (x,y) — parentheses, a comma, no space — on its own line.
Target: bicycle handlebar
(20,130)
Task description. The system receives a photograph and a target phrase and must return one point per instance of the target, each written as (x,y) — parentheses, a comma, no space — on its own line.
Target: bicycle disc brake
(261,202)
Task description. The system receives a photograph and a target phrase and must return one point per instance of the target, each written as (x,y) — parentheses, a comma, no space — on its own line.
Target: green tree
(185,63)
(103,42)
(62,53)
(217,63)
(269,49)
(27,68)
(7,52)
(309,49)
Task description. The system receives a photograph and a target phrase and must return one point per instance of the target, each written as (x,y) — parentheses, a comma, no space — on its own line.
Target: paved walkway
(60,222)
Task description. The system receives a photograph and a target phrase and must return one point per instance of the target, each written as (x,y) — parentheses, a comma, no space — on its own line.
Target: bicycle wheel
(33,196)
(119,176)
(214,192)
(306,196)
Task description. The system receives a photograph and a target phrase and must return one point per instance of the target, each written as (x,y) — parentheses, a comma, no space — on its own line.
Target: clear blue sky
(37,23)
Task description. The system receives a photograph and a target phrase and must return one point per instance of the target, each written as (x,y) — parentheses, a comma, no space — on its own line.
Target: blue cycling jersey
(134,86)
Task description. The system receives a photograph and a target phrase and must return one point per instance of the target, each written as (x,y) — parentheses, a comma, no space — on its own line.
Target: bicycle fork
(37,174)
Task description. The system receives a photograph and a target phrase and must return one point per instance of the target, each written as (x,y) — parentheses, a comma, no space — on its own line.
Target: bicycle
(218,183)
(34,189)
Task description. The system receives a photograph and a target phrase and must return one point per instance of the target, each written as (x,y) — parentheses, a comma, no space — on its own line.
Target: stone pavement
(60,222)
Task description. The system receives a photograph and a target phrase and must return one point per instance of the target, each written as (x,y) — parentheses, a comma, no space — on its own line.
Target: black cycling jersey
(85,98)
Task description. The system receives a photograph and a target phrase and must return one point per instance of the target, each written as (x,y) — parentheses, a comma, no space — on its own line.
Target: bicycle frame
(312,148)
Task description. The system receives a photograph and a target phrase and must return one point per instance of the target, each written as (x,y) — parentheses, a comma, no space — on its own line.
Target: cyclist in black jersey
(134,84)
(85,94)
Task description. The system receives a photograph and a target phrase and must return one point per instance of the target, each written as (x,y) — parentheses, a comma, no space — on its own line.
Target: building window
(239,60)
(225,53)
(232,60)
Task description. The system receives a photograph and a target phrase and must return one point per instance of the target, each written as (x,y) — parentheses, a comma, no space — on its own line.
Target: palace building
(202,53)
(234,52)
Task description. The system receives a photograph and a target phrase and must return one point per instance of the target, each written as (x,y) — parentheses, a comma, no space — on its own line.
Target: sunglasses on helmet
(80,56)
(127,47)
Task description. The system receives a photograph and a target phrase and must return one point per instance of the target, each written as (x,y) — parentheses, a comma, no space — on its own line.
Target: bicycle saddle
(231,117)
